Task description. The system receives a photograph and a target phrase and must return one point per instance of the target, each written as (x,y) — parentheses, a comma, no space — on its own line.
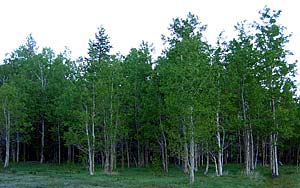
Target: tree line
(197,104)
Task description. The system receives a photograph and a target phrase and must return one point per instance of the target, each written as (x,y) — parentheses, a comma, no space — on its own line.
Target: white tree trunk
(247,152)
(7,135)
(220,148)
(252,165)
(192,151)
(274,155)
(91,165)
(192,161)
(276,171)
(163,145)
(196,157)
(207,162)
(42,78)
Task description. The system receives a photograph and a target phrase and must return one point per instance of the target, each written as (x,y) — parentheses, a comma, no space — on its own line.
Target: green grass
(32,174)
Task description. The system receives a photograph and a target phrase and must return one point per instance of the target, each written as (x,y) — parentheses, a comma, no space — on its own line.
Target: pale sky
(71,23)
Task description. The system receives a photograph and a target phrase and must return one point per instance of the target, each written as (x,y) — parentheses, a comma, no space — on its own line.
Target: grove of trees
(197,104)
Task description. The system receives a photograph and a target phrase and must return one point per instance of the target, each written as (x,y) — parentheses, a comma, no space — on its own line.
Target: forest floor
(33,174)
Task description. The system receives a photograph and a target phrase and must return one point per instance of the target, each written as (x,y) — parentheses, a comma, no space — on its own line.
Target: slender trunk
(7,135)
(216,165)
(136,116)
(252,166)
(73,153)
(240,149)
(18,147)
(179,156)
(91,170)
(192,160)
(186,157)
(142,159)
(112,161)
(276,171)
(59,149)
(42,141)
(146,154)
(127,154)
(220,148)
(271,153)
(69,153)
(196,157)
(298,152)
(122,154)
(106,166)
(162,154)
(92,150)
(247,152)
(207,161)
(138,153)
(263,148)
(192,150)
(111,133)
(247,132)
(13,152)
(24,152)
(164,150)
(202,156)
(42,78)
(102,159)
(257,151)
(165,153)
(274,156)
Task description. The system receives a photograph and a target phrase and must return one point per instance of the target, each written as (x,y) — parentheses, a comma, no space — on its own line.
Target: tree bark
(7,135)
(196,157)
(127,154)
(91,165)
(59,148)
(273,140)
(93,130)
(257,151)
(42,78)
(247,152)
(18,147)
(24,152)
(122,154)
(185,157)
(192,160)
(220,148)
(163,144)
(69,154)
(42,141)
(207,161)
(192,150)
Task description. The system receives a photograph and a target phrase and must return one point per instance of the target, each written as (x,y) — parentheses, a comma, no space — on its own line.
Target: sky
(71,23)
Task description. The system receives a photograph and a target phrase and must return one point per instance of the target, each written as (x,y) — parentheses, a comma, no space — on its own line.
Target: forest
(196,105)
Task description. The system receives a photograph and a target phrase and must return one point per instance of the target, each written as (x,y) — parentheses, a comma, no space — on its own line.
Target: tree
(273,72)
(184,66)
(12,106)
(242,58)
(97,63)
(137,69)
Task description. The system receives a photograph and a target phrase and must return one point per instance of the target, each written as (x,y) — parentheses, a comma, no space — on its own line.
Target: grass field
(33,174)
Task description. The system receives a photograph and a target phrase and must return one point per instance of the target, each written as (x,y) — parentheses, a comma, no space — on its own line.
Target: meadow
(33,174)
